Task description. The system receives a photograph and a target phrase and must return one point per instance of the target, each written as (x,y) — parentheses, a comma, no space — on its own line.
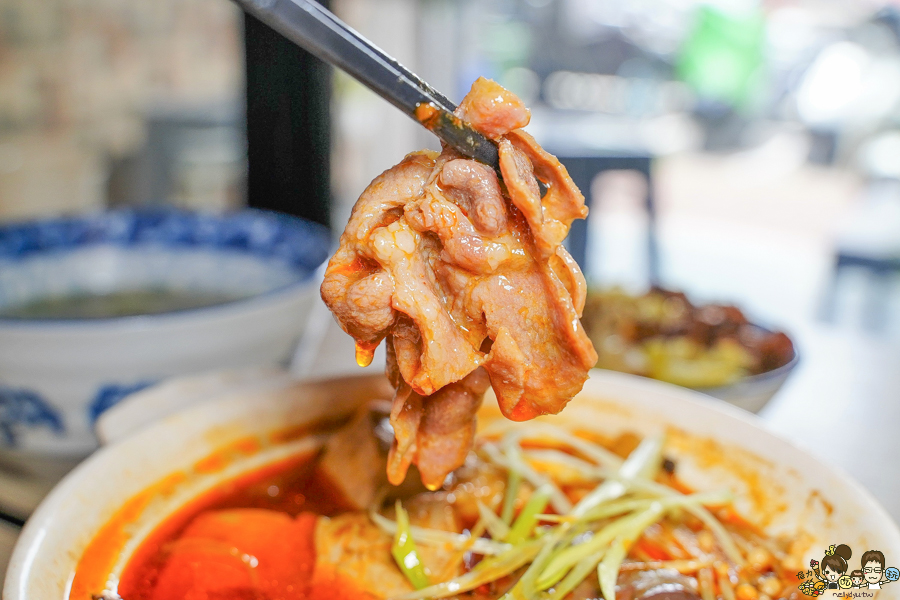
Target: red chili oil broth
(292,486)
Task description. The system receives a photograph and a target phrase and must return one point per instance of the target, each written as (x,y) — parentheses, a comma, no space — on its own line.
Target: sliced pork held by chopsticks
(463,273)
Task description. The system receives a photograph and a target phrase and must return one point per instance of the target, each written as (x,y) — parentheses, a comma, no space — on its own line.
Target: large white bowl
(58,376)
(715,446)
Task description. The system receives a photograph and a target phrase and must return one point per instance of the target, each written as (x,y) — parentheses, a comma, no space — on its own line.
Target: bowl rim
(102,222)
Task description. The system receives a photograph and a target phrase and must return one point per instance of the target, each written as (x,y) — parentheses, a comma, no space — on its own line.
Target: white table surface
(842,404)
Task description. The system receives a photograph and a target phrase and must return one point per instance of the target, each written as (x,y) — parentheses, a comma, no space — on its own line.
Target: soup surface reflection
(126,303)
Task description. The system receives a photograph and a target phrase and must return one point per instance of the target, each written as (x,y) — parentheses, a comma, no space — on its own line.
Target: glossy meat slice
(447,429)
(492,110)
(435,432)
(549,218)
(382,269)
(474,187)
(356,289)
(540,353)
(461,269)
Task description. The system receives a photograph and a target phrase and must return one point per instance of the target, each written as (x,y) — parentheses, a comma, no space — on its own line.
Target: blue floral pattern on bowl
(298,242)
(234,256)
(20,409)
(59,374)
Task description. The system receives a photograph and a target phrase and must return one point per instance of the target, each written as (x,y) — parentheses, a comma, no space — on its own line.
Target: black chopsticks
(321,33)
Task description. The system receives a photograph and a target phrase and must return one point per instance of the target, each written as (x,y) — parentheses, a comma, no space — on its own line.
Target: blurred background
(744,152)
(772,127)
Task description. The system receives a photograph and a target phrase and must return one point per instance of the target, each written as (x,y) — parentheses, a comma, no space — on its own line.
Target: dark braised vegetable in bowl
(662,335)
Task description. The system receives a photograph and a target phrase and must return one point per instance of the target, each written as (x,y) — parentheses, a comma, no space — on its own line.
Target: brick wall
(77,78)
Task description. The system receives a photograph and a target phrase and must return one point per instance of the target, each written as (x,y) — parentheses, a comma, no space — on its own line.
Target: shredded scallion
(513,481)
(596,533)
(488,570)
(404,551)
(436,537)
(494,524)
(608,570)
(527,519)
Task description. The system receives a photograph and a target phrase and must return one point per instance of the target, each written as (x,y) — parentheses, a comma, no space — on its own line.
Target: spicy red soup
(250,538)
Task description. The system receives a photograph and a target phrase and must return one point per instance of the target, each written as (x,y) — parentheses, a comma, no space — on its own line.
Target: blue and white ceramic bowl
(58,375)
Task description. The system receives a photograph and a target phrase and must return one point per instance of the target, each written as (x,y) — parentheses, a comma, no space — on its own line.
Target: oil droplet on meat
(364,355)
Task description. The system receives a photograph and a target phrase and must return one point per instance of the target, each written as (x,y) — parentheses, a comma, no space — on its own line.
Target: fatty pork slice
(464,274)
